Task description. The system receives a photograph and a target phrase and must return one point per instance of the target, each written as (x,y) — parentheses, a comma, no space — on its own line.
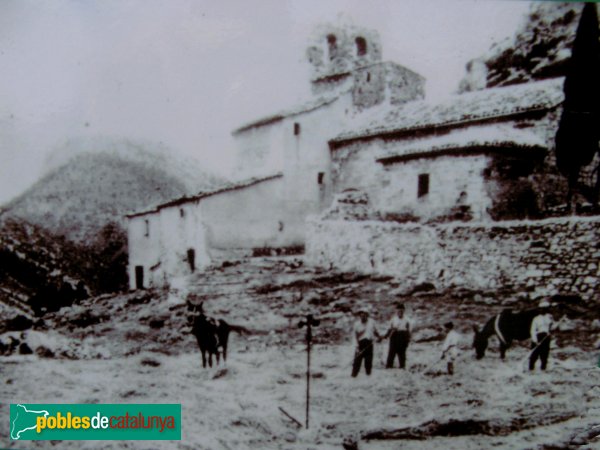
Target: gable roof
(459,109)
(225,188)
(492,137)
(303,108)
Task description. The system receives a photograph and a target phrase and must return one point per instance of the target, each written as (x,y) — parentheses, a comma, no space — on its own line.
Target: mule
(507,326)
(212,335)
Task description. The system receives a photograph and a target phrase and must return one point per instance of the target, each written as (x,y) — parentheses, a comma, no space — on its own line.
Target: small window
(332,45)
(368,77)
(423,185)
(146,228)
(296,129)
(361,46)
(181,212)
(321,177)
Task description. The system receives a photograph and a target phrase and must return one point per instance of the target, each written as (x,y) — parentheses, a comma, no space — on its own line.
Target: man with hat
(540,335)
(364,333)
(399,333)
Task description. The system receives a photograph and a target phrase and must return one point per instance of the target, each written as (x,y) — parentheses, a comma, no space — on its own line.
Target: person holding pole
(540,335)
(364,334)
(399,333)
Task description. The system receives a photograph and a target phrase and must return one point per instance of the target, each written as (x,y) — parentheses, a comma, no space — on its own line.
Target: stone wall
(546,257)
(373,83)
(392,188)
(333,49)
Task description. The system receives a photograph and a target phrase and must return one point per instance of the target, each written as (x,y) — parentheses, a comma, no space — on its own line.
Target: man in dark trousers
(540,335)
(364,334)
(399,333)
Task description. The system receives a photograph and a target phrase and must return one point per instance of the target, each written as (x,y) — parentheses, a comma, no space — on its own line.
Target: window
(368,77)
(146,228)
(296,129)
(423,185)
(361,46)
(321,177)
(332,46)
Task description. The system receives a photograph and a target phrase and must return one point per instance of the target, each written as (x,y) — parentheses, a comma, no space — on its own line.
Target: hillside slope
(139,349)
(540,48)
(99,185)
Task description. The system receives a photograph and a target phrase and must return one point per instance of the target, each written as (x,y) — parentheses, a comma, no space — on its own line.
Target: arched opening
(331,45)
(361,46)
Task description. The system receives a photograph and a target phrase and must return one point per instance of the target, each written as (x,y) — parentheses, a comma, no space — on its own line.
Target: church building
(367,133)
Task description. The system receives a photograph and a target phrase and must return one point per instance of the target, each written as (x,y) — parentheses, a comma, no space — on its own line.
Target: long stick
(308,336)
(290,417)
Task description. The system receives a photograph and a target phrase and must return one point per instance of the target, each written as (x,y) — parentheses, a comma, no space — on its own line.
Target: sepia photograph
(299,224)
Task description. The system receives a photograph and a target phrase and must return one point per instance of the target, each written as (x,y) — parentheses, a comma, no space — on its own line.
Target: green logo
(95,422)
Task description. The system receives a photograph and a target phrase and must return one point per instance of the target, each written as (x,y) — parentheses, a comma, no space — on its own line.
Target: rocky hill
(540,48)
(69,228)
(100,183)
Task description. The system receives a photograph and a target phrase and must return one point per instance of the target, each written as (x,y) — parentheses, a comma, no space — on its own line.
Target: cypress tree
(579,127)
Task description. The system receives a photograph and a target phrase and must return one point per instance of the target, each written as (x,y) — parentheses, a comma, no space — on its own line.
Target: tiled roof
(305,107)
(458,109)
(487,136)
(225,188)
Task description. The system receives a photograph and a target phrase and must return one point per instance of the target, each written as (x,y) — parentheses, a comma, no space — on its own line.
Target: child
(450,347)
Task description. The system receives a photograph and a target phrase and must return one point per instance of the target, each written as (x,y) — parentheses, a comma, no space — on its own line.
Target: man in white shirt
(364,333)
(541,326)
(450,347)
(399,333)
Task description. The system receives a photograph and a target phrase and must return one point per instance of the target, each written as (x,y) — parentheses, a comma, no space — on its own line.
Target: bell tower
(335,52)
(347,58)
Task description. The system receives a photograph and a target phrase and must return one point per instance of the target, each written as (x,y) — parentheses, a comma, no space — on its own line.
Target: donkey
(507,326)
(211,334)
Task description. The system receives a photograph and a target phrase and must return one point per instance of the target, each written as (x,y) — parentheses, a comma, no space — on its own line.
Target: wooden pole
(308,337)
(308,323)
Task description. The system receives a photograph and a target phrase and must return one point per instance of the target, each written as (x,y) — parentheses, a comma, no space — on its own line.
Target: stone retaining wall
(546,257)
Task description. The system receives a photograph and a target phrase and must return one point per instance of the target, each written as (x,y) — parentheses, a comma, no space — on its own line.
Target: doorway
(191,258)
(139,277)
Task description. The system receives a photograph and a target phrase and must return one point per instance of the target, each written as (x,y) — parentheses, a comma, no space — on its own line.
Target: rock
(564,324)
(595,325)
(44,352)
(18,323)
(150,362)
(25,349)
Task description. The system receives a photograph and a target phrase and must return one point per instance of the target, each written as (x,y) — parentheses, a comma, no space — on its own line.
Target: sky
(184,73)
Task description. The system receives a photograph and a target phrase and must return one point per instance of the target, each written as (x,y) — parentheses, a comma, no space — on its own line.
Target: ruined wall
(386,81)
(551,256)
(404,85)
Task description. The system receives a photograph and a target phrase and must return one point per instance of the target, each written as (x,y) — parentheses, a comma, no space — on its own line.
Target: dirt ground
(136,348)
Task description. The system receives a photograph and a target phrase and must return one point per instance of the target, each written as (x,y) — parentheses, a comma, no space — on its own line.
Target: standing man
(364,334)
(540,335)
(399,333)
